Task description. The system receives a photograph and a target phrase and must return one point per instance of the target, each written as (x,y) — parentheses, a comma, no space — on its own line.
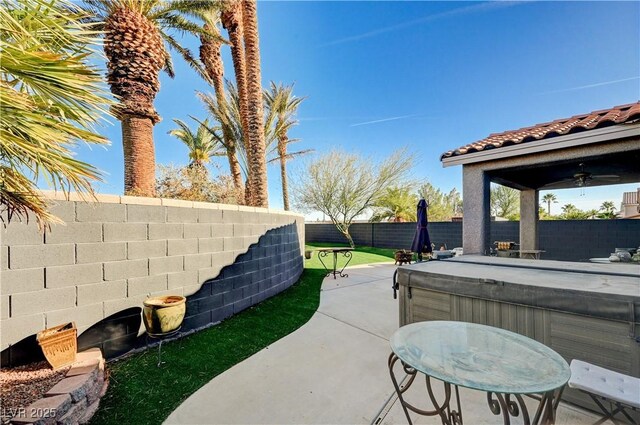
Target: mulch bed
(21,386)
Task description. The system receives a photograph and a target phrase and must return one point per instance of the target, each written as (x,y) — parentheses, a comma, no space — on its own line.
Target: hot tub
(584,311)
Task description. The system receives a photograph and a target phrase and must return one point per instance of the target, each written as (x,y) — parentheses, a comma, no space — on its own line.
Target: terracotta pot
(162,315)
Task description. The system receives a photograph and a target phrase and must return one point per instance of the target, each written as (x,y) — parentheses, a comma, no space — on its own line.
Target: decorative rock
(44,411)
(105,387)
(75,386)
(81,370)
(75,399)
(88,414)
(88,357)
(74,414)
(94,392)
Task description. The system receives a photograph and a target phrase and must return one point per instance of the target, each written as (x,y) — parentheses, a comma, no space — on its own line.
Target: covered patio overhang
(595,149)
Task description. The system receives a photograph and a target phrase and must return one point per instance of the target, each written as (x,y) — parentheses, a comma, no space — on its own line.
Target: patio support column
(476,207)
(529,206)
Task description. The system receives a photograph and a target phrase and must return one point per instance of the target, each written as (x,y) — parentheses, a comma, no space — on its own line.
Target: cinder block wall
(568,240)
(111,255)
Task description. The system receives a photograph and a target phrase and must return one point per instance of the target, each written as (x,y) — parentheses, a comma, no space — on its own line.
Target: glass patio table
(505,365)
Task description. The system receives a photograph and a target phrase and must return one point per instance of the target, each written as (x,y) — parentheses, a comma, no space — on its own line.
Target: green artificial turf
(141,393)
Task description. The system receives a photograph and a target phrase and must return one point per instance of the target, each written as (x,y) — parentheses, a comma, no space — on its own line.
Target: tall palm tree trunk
(136,54)
(282,153)
(258,160)
(139,155)
(231,18)
(212,60)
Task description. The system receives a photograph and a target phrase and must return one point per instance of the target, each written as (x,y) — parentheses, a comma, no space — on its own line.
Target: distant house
(630,206)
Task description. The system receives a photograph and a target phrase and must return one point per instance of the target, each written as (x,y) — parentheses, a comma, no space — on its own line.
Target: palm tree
(136,42)
(227,112)
(549,198)
(231,17)
(255,117)
(230,114)
(201,143)
(50,98)
(397,204)
(211,58)
(607,210)
(281,101)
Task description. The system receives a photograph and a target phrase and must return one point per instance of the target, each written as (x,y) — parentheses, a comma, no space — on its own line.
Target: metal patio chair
(606,387)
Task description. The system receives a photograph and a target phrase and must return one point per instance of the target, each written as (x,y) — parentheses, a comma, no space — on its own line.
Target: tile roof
(597,119)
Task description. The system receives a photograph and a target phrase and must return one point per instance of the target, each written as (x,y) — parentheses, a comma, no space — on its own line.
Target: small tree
(505,202)
(442,206)
(195,184)
(343,186)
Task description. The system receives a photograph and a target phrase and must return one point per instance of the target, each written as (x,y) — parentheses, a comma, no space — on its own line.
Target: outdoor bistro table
(346,252)
(503,364)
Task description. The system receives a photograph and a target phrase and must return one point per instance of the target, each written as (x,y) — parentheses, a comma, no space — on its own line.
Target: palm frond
(186,55)
(51,98)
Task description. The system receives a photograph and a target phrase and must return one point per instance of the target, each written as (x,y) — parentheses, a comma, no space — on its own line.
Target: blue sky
(428,75)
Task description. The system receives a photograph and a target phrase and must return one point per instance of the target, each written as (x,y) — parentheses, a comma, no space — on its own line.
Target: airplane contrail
(433,17)
(588,86)
(383,120)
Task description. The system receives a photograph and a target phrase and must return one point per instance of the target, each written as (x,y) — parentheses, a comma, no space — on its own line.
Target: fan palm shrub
(137,40)
(51,97)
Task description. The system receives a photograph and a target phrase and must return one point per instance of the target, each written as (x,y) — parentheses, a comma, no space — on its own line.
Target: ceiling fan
(583,178)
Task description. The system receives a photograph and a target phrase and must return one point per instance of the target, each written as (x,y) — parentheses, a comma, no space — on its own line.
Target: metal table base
(345,253)
(507,405)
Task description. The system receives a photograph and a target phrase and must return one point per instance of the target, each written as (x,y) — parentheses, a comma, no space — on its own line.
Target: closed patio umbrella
(421,242)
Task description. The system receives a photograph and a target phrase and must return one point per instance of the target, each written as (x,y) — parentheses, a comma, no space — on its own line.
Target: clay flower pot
(162,315)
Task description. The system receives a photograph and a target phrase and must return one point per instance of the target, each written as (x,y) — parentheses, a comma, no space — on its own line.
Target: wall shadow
(268,267)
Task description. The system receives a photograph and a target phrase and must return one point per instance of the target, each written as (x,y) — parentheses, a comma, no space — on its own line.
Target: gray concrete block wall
(567,240)
(113,254)
(271,265)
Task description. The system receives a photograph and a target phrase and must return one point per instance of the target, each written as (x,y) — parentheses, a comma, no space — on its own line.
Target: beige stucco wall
(111,255)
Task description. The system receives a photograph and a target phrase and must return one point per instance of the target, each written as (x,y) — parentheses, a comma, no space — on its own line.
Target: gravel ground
(21,386)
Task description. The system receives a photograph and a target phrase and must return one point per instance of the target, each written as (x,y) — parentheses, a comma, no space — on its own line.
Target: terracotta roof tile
(597,119)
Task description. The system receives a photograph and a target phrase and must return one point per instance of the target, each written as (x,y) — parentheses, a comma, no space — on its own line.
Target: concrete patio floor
(333,370)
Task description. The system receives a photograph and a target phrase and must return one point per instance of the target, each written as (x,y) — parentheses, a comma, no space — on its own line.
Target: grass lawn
(141,393)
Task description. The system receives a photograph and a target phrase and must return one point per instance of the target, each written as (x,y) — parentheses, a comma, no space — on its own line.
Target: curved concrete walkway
(333,370)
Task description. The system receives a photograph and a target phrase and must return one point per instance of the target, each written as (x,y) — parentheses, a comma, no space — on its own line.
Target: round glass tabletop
(480,357)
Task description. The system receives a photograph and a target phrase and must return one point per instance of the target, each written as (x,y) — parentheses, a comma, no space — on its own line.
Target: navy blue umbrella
(421,242)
